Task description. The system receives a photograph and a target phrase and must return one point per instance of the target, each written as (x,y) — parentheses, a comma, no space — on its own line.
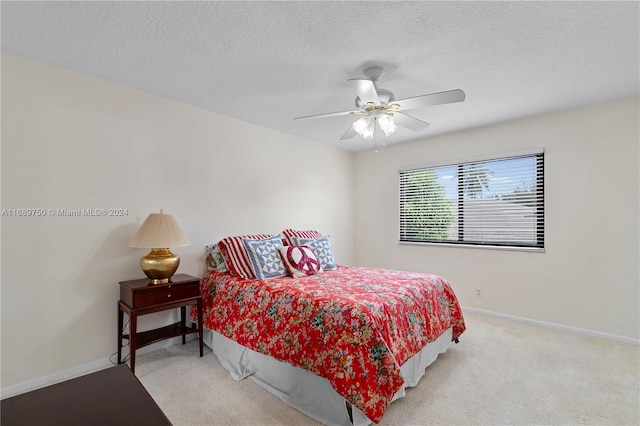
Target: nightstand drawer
(165,294)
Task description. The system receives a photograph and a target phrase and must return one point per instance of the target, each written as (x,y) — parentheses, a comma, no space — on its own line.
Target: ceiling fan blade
(330,114)
(411,123)
(450,96)
(366,90)
(348,134)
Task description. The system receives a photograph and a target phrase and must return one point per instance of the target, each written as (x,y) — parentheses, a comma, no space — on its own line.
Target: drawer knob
(168,295)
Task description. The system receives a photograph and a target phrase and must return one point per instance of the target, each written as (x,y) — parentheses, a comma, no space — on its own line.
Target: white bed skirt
(303,390)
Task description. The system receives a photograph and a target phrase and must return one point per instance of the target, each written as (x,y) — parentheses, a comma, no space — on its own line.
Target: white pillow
(213,259)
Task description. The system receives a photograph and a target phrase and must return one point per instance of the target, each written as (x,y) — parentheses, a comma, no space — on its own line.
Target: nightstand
(139,297)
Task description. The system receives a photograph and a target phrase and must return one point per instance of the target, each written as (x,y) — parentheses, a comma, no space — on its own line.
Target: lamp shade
(159,230)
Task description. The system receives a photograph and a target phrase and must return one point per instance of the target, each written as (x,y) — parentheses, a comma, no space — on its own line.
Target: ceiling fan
(378,105)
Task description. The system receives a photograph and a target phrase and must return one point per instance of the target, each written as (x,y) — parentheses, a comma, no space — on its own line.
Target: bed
(339,344)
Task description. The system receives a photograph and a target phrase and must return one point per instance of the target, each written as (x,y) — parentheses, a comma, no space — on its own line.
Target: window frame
(540,229)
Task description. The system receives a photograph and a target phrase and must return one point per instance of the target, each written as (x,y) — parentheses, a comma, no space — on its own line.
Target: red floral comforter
(354,326)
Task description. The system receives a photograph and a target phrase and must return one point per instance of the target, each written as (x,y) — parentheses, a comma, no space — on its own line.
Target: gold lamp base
(159,265)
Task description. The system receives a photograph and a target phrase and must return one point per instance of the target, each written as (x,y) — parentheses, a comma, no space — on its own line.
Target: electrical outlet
(478,292)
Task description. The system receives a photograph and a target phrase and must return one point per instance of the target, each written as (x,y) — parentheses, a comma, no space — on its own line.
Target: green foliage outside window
(427,213)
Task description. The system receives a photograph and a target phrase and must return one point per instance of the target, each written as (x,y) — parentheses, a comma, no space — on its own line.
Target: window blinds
(495,202)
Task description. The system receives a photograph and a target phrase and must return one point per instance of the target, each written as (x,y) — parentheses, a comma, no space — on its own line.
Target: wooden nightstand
(139,297)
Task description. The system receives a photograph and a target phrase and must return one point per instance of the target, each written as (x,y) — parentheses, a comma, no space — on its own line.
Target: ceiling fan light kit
(380,106)
(365,126)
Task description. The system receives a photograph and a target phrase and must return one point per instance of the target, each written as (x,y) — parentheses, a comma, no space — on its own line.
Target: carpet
(501,373)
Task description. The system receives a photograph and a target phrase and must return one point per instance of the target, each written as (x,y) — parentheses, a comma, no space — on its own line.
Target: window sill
(475,246)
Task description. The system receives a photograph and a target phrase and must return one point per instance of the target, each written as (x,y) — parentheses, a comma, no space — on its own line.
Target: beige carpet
(501,373)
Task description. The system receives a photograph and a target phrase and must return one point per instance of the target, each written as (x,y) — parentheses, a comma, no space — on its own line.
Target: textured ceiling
(268,62)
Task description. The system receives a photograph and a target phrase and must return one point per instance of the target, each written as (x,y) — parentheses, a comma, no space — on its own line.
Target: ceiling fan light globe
(361,125)
(385,120)
(390,131)
(368,134)
(386,123)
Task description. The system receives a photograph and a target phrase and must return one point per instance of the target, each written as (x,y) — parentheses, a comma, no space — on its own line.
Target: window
(490,202)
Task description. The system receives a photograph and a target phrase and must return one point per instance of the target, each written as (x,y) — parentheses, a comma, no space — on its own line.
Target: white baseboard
(81,370)
(576,330)
(52,379)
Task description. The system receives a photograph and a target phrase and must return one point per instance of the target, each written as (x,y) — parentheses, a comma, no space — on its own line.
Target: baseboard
(52,379)
(81,370)
(576,330)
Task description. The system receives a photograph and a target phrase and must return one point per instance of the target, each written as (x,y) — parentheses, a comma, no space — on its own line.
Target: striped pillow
(236,256)
(287,234)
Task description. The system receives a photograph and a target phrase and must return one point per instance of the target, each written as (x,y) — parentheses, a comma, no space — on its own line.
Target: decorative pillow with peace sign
(300,261)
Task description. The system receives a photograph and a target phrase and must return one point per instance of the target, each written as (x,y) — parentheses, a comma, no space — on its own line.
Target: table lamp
(158,232)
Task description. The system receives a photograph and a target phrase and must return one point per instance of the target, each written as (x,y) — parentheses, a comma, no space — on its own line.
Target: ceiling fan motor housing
(373,73)
(385,96)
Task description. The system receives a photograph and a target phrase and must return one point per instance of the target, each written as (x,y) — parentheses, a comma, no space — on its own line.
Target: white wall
(71,141)
(588,275)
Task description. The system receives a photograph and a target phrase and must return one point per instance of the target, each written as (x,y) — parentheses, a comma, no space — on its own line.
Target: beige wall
(70,141)
(588,275)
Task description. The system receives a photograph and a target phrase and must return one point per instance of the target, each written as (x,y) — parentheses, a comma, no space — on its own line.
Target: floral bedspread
(353,326)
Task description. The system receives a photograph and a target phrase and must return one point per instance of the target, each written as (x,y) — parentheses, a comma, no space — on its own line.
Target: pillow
(288,233)
(213,259)
(235,254)
(265,258)
(322,249)
(300,261)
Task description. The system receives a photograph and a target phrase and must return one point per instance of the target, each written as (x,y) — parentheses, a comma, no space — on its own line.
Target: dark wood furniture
(109,397)
(139,297)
